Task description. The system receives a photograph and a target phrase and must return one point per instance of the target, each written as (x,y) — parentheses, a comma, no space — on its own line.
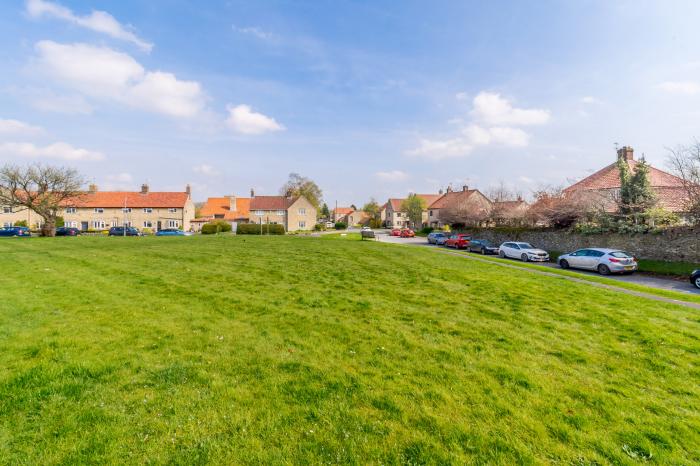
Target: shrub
(320,227)
(21,223)
(255,229)
(60,222)
(426,230)
(147,231)
(217,226)
(340,226)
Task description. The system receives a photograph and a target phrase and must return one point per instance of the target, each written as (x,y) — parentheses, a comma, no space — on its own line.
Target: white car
(523,251)
(330,224)
(366,228)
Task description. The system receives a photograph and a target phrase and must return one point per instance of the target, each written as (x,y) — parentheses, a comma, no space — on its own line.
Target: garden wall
(675,244)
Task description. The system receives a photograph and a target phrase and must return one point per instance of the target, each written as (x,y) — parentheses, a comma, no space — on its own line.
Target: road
(637,278)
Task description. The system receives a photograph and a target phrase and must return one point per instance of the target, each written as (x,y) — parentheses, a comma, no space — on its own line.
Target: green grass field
(300,350)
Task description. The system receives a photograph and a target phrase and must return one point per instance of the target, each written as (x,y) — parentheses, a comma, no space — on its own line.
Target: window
(71,210)
(430,213)
(7,210)
(173,224)
(259,213)
(302,211)
(72,224)
(172,210)
(302,224)
(98,224)
(114,223)
(99,210)
(127,224)
(126,210)
(147,210)
(7,224)
(218,215)
(280,212)
(147,223)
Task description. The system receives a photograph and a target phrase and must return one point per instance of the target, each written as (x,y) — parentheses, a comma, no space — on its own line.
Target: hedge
(255,229)
(212,228)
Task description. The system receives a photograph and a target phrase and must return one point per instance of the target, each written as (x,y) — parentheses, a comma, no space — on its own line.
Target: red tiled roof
(450,198)
(340,211)
(114,199)
(270,202)
(510,205)
(222,206)
(609,177)
(428,198)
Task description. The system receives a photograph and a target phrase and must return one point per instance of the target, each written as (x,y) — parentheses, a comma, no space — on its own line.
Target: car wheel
(483,251)
(697,282)
(564,264)
(501,254)
(523,258)
(603,269)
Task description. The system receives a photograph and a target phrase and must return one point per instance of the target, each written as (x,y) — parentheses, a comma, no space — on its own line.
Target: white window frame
(259,213)
(302,224)
(280,213)
(147,224)
(7,210)
(173,224)
(99,224)
(302,211)
(71,210)
(172,210)
(126,210)
(147,210)
(7,224)
(99,210)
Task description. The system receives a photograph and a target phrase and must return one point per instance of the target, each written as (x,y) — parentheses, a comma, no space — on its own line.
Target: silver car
(605,261)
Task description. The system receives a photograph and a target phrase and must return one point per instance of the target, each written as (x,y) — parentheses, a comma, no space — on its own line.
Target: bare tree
(685,164)
(41,188)
(502,192)
(553,207)
(466,212)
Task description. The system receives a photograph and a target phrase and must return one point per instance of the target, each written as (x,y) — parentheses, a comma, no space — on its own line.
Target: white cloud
(57,150)
(393,175)
(441,149)
(256,32)
(506,136)
(680,87)
(205,169)
(493,109)
(590,100)
(104,73)
(461,96)
(18,127)
(242,119)
(98,21)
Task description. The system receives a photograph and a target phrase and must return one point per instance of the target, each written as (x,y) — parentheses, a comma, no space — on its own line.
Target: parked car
(695,278)
(330,225)
(407,233)
(170,232)
(436,236)
(366,228)
(67,231)
(482,246)
(458,241)
(124,231)
(17,232)
(605,261)
(523,251)
(396,232)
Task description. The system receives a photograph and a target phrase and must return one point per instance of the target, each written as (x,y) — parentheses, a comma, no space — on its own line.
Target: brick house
(394,217)
(101,210)
(467,203)
(232,209)
(294,213)
(603,186)
(339,214)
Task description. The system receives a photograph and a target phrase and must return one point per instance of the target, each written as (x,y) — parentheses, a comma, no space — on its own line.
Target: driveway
(669,284)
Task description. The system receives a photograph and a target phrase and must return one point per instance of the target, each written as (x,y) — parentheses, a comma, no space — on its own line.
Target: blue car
(437,237)
(170,232)
(17,232)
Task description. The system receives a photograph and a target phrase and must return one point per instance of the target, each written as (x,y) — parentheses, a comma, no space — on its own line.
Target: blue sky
(367,98)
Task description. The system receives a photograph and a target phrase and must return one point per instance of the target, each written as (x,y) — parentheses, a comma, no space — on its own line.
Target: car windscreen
(525,245)
(620,254)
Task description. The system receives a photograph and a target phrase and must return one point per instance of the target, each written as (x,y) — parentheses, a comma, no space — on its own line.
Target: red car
(395,232)
(407,233)
(458,241)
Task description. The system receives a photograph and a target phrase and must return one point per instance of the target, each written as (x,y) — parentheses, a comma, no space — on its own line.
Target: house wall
(676,244)
(269,216)
(301,215)
(16,214)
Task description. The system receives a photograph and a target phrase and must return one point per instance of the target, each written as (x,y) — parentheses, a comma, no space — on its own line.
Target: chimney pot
(252,192)
(92,188)
(440,191)
(626,152)
(144,188)
(465,188)
(188,189)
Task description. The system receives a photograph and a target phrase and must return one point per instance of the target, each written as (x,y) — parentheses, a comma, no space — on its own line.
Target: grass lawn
(249,350)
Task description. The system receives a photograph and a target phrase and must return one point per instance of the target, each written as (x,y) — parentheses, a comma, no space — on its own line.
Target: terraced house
(394,217)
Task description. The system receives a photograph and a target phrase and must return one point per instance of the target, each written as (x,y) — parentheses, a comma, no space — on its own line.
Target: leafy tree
(60,222)
(372,209)
(325,213)
(298,185)
(636,194)
(41,188)
(21,223)
(414,206)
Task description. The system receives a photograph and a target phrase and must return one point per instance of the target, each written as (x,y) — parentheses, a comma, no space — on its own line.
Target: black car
(67,231)
(482,246)
(124,231)
(695,278)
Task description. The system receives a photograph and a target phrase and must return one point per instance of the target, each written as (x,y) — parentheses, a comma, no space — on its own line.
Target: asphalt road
(682,286)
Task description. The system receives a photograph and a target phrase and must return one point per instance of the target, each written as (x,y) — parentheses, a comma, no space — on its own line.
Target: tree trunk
(49,227)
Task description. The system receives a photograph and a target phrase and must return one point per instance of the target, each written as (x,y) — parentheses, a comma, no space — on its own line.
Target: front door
(84,226)
(159,227)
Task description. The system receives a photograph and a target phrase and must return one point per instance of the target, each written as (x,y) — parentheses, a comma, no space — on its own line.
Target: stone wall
(676,244)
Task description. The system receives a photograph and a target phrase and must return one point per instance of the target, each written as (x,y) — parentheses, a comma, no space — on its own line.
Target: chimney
(252,192)
(188,189)
(440,191)
(625,152)
(231,202)
(449,189)
(465,188)
(92,189)
(144,188)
